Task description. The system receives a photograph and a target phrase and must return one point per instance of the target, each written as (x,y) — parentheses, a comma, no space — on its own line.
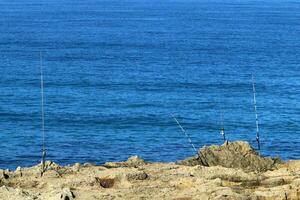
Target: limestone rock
(135,179)
(49,165)
(76,167)
(15,194)
(4,174)
(133,161)
(237,154)
(137,176)
(67,194)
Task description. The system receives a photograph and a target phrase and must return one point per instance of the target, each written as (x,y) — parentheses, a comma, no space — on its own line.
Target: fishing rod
(256,115)
(222,131)
(190,141)
(222,128)
(43,169)
(185,133)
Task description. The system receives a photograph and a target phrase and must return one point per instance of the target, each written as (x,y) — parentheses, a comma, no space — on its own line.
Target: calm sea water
(115,71)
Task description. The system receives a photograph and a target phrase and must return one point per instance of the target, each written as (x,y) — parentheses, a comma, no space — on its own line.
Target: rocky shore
(230,171)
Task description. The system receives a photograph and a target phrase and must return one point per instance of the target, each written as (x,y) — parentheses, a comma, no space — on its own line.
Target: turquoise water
(114,71)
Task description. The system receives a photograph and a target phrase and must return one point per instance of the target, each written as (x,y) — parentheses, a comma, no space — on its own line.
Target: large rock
(8,193)
(133,161)
(237,154)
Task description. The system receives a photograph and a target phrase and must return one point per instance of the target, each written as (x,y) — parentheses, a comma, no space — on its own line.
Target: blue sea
(115,70)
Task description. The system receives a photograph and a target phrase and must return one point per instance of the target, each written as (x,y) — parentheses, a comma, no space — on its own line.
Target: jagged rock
(272,182)
(76,167)
(105,182)
(49,165)
(167,180)
(137,176)
(88,164)
(67,194)
(18,172)
(4,174)
(51,169)
(133,161)
(237,154)
(16,194)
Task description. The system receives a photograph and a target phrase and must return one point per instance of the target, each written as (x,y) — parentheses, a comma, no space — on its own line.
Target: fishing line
(43,116)
(256,115)
(185,133)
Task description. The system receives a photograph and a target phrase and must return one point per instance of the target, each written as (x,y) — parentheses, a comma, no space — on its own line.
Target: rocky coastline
(229,171)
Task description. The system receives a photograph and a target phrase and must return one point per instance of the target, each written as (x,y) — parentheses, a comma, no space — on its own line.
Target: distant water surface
(115,70)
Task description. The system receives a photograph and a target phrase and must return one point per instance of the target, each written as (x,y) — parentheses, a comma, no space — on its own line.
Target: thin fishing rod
(222,128)
(222,131)
(185,133)
(256,115)
(190,141)
(43,116)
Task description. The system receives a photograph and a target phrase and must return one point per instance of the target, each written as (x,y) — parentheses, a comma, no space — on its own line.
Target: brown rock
(237,154)
(137,176)
(105,182)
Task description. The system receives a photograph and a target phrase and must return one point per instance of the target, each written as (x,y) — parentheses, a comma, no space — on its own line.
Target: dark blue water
(115,70)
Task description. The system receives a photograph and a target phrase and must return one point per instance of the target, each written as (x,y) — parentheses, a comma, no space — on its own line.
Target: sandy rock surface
(136,179)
